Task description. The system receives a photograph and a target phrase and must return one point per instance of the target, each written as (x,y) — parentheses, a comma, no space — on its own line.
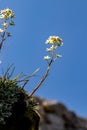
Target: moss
(17,112)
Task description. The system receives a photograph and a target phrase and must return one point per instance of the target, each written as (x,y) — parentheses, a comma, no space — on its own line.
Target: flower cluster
(54,41)
(6,16)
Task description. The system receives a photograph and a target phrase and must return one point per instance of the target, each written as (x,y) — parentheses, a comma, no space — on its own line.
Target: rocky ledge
(55,116)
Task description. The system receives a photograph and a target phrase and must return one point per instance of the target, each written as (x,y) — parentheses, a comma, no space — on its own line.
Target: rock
(56,116)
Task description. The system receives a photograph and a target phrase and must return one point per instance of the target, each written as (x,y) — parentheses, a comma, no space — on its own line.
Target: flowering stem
(1,43)
(42,80)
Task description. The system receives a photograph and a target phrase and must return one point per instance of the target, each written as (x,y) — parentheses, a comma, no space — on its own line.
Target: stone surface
(55,116)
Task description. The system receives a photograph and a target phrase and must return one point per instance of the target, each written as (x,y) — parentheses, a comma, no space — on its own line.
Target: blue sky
(35,21)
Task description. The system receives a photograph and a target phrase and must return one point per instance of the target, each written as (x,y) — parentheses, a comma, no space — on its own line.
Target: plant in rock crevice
(12,90)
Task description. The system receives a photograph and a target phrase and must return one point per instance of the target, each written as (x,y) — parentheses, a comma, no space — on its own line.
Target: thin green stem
(42,80)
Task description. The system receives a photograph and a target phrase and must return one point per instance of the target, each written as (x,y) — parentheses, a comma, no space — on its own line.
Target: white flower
(52,48)
(48,49)
(2,16)
(5,25)
(54,40)
(6,13)
(46,57)
(1,30)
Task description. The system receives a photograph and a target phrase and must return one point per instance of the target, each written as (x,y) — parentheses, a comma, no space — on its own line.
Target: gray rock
(56,116)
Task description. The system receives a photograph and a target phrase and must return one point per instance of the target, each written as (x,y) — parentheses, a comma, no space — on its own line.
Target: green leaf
(11,23)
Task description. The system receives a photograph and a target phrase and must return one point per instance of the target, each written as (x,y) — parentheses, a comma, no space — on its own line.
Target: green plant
(16,105)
